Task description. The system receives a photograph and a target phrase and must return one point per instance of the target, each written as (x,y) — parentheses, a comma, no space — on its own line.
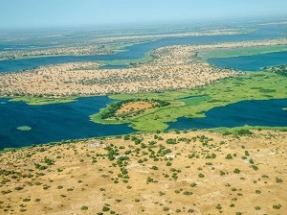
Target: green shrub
(84,208)
(200,175)
(237,171)
(105,208)
(255,167)
(228,157)
(277,206)
(279,180)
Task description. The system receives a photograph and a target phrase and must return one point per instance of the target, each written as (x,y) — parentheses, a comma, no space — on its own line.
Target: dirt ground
(134,106)
(196,172)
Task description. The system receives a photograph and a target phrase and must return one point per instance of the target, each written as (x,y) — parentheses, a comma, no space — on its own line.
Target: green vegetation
(24,128)
(244,51)
(193,103)
(42,100)
(111,111)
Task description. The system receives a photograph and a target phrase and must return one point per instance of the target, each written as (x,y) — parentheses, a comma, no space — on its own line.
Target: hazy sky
(43,13)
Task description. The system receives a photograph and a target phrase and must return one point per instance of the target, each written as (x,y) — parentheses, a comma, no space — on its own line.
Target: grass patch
(24,128)
(42,101)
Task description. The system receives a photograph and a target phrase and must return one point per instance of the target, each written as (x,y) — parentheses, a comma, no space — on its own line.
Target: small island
(24,128)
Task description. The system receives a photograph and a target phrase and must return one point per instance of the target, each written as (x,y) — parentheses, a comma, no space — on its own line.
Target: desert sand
(198,172)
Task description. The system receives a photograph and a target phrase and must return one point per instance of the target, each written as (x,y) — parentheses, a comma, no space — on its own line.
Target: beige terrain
(173,68)
(198,172)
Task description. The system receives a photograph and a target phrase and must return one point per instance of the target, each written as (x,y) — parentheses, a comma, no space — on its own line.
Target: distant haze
(69,13)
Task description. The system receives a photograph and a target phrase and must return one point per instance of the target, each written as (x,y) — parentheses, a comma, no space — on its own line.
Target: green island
(42,100)
(194,102)
(24,128)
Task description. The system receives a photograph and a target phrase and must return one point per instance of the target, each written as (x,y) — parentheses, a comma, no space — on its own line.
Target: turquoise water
(252,63)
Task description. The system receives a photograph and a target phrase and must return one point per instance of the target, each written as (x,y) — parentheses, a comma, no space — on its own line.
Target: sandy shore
(204,173)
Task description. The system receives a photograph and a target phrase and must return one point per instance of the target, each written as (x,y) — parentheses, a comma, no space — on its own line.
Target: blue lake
(253,113)
(51,123)
(251,63)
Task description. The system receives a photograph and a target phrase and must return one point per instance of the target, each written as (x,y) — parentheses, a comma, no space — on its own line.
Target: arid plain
(196,172)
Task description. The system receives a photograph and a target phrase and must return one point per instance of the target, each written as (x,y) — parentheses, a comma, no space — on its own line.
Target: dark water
(53,122)
(253,113)
(251,63)
(137,51)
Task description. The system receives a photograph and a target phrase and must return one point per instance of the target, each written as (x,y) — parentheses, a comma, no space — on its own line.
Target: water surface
(253,62)
(253,113)
(55,122)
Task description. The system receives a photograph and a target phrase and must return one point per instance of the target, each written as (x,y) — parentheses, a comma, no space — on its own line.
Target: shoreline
(220,130)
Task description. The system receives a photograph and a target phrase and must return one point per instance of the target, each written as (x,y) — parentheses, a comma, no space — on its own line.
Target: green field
(248,86)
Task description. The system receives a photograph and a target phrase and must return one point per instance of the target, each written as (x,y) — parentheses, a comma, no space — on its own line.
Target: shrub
(257,208)
(187,193)
(165,209)
(228,157)
(277,206)
(279,180)
(200,175)
(255,167)
(243,131)
(84,208)
(237,171)
(105,208)
(193,184)
(257,191)
(218,207)
(171,141)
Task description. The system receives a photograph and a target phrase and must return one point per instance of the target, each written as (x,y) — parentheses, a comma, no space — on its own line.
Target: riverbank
(144,174)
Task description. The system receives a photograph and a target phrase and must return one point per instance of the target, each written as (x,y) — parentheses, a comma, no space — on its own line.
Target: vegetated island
(24,128)
(239,171)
